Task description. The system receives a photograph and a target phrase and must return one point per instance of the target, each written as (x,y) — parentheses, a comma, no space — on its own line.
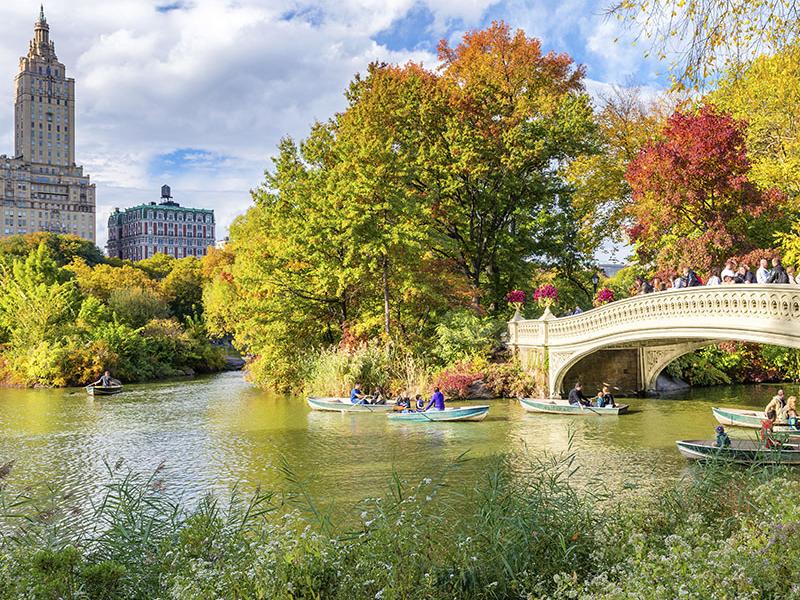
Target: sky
(198,93)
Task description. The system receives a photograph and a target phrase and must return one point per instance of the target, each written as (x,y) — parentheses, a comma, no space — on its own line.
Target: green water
(213,433)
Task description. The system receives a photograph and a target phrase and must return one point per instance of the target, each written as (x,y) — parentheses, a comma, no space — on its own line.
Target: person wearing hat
(723,441)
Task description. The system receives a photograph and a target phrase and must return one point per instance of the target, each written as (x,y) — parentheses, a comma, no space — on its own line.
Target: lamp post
(595,281)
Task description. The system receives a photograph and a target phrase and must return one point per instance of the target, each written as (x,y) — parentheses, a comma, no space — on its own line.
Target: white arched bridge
(629,342)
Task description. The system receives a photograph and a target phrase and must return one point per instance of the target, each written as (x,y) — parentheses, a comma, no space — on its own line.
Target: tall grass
(523,531)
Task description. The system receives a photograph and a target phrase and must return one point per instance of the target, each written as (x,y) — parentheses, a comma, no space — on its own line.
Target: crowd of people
(732,273)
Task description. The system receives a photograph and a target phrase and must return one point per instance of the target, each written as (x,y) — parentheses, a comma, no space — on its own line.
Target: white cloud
(226,77)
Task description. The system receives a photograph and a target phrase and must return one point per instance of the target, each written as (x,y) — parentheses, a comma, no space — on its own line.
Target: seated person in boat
(775,407)
(379,397)
(576,395)
(437,400)
(599,400)
(419,402)
(105,380)
(608,398)
(356,396)
(766,433)
(791,413)
(402,403)
(722,441)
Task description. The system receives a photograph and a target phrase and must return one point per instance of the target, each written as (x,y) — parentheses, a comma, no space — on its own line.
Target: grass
(523,531)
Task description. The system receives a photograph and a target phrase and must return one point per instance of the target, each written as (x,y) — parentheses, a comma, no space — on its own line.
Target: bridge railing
(688,306)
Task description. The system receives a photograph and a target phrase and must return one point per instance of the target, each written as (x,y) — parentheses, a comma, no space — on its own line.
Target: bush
(136,306)
(455,381)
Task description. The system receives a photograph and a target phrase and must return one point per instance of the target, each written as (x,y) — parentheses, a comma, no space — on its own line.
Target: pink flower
(604,296)
(515,297)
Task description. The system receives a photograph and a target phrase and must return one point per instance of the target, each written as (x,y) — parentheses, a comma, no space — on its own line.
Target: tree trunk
(386,305)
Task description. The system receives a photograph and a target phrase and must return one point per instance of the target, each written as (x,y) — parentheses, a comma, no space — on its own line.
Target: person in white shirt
(678,283)
(762,273)
(792,275)
(714,277)
(729,270)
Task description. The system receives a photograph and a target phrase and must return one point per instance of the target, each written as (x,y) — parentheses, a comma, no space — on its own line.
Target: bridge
(631,341)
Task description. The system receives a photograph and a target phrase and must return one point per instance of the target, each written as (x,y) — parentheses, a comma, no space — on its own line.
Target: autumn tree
(510,119)
(702,39)
(767,96)
(693,202)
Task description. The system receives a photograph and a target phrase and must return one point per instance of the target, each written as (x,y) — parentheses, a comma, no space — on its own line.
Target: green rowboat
(563,407)
(99,390)
(344,405)
(738,417)
(740,451)
(462,413)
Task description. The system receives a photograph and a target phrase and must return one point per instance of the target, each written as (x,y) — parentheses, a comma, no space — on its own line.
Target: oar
(589,407)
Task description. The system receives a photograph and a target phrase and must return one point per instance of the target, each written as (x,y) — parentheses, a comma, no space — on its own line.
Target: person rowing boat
(105,380)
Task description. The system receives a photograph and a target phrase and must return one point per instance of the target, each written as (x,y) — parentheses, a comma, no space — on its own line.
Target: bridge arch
(664,326)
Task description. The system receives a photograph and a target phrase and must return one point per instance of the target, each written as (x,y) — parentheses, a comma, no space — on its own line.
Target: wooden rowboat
(738,417)
(344,405)
(563,407)
(462,413)
(99,390)
(740,451)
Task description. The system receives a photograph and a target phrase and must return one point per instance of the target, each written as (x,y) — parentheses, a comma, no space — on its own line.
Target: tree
(627,122)
(767,96)
(157,266)
(64,248)
(102,280)
(704,38)
(693,203)
(504,121)
(183,288)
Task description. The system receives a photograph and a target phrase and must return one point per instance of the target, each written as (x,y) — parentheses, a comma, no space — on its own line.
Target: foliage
(333,371)
(693,201)
(767,96)
(703,38)
(737,362)
(183,288)
(456,380)
(63,248)
(135,306)
(65,325)
(432,191)
(462,335)
(524,531)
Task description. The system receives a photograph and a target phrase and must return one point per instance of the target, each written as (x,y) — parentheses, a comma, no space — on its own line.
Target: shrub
(136,306)
(455,381)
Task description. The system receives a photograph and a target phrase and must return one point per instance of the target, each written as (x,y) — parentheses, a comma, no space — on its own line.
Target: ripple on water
(212,433)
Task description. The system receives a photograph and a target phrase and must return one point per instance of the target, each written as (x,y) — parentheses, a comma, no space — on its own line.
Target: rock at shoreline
(478,390)
(667,383)
(234,363)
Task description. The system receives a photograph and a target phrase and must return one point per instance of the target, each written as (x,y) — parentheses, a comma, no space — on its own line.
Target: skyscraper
(41,187)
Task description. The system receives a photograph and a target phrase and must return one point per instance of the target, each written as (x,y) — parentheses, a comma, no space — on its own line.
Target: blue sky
(198,93)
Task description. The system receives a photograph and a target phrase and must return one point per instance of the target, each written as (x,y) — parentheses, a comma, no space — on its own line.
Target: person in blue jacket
(356,397)
(437,401)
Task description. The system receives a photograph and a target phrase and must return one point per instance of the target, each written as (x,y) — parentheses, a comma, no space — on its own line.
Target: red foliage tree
(693,203)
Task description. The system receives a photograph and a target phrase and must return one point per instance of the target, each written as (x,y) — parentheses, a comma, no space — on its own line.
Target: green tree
(182,288)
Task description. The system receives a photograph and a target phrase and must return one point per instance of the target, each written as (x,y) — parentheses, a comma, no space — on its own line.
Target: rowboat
(738,417)
(563,407)
(99,390)
(461,413)
(740,451)
(344,405)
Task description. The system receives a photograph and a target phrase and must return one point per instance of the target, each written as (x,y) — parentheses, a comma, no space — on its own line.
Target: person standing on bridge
(714,278)
(744,275)
(728,270)
(690,278)
(762,273)
(778,273)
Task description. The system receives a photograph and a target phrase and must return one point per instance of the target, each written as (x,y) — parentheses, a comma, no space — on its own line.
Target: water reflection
(215,432)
